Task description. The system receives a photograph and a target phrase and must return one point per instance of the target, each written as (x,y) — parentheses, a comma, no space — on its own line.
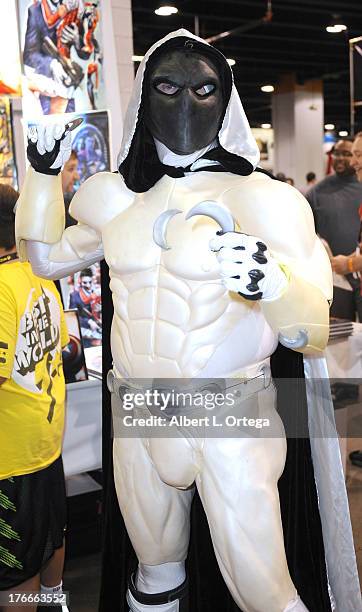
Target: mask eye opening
(166,87)
(205,90)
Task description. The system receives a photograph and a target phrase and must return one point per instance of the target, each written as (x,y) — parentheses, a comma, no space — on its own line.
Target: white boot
(135,606)
(174,600)
(296,605)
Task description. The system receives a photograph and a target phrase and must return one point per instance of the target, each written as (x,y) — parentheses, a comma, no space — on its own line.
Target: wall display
(82,292)
(62,49)
(8,170)
(10,67)
(74,365)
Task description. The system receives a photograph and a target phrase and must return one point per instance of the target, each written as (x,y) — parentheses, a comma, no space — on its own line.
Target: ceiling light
(137,58)
(336,25)
(343,133)
(231,61)
(267,88)
(329,126)
(337,28)
(266,126)
(165,11)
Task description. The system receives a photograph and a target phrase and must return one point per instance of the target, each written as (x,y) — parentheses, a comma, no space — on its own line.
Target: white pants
(236,479)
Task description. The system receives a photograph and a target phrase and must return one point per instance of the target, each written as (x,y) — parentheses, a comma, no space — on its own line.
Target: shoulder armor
(100,199)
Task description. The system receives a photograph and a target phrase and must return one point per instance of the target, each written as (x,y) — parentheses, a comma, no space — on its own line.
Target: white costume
(177,314)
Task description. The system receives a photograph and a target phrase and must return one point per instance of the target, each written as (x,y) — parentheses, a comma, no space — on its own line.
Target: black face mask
(185,103)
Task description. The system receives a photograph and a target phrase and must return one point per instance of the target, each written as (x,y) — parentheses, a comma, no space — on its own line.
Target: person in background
(280,176)
(353,262)
(32,394)
(311,180)
(344,264)
(335,202)
(290,181)
(70,176)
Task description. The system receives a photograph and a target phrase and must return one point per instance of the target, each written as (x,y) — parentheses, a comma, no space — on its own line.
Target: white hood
(235,134)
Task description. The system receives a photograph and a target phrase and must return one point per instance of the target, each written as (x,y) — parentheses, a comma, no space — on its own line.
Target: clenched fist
(49,147)
(247,267)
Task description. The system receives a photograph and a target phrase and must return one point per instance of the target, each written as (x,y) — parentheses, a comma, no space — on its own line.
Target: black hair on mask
(142,168)
(8,199)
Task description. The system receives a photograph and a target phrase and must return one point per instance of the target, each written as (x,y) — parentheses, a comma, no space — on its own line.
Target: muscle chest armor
(172,312)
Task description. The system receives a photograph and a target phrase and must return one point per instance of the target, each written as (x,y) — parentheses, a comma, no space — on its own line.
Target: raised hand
(49,147)
(247,267)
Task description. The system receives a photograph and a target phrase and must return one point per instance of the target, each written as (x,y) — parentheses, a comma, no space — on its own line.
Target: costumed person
(189,304)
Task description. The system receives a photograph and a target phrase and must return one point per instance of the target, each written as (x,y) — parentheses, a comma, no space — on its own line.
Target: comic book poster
(62,51)
(10,67)
(8,171)
(91,142)
(82,292)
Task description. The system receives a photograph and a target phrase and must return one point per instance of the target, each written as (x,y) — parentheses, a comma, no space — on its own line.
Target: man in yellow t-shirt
(32,394)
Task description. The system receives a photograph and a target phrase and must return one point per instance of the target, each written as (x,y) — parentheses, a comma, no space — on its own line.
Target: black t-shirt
(335,202)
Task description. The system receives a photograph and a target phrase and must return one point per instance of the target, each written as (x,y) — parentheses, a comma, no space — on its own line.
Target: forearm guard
(40,212)
(302,306)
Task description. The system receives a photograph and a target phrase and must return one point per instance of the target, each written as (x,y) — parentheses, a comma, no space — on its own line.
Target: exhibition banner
(62,55)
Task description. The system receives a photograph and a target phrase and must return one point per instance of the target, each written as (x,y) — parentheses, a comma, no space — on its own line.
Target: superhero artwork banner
(82,292)
(62,56)
(8,170)
(90,140)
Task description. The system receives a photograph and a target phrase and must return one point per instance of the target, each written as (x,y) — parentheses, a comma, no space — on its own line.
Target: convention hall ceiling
(294,39)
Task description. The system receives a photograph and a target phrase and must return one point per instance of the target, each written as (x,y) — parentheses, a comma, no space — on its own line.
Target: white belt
(253,378)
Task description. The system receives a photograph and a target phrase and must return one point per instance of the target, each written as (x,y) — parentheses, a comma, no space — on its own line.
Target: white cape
(331,489)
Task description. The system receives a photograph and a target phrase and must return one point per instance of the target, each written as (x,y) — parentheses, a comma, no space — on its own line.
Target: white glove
(247,267)
(49,147)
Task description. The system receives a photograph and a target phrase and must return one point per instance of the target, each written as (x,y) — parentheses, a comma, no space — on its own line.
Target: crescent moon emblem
(215,211)
(160,227)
